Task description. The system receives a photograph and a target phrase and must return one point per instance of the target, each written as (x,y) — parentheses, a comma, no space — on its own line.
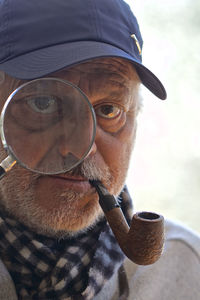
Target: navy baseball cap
(38,37)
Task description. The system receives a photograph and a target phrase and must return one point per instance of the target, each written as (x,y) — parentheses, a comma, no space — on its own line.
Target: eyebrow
(119,97)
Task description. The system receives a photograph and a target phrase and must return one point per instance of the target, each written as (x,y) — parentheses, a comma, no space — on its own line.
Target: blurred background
(165,169)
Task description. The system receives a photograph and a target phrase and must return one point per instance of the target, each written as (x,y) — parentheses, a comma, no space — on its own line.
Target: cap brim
(42,62)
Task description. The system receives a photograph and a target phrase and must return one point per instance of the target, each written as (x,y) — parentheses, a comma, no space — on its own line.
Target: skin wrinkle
(47,209)
(2,77)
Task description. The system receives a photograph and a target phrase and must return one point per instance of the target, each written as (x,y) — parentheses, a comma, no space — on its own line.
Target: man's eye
(43,104)
(108,111)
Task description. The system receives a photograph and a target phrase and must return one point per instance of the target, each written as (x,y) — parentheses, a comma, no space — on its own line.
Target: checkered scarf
(49,268)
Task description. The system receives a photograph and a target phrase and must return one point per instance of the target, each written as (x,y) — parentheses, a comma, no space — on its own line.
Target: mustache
(89,169)
(92,170)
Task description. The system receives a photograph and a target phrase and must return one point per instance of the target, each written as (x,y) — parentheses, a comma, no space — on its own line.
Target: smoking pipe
(143,241)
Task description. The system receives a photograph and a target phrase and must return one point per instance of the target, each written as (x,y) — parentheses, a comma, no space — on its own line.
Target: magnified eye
(43,104)
(108,111)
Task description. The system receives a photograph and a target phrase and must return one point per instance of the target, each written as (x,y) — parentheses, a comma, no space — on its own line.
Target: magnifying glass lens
(48,125)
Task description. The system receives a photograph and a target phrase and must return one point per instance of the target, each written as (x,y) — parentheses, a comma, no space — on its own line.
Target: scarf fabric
(71,268)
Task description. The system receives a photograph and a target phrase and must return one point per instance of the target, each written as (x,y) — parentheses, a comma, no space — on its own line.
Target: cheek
(13,186)
(116,150)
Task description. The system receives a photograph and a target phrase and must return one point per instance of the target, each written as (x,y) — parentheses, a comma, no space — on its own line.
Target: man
(54,240)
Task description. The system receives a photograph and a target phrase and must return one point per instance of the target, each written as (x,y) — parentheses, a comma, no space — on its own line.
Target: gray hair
(140,100)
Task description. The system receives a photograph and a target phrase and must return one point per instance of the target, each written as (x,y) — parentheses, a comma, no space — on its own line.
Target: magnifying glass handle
(6,165)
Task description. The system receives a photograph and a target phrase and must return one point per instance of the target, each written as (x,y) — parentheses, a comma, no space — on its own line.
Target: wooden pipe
(143,241)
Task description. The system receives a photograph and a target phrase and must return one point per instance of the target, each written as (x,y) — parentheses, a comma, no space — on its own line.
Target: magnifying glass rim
(8,148)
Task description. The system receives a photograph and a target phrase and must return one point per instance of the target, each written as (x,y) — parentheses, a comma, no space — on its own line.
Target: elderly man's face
(66,202)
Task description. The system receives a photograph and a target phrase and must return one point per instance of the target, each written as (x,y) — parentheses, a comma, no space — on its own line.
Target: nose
(73,145)
(66,147)
(76,136)
(96,142)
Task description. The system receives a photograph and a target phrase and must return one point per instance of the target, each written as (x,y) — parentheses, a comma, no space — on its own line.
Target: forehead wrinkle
(103,70)
(110,64)
(107,90)
(10,84)
(15,84)
(97,85)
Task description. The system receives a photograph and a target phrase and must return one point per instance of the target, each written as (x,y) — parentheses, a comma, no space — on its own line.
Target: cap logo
(133,36)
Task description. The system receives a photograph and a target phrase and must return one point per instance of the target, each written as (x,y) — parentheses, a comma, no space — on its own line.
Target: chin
(69,220)
(60,218)
(60,227)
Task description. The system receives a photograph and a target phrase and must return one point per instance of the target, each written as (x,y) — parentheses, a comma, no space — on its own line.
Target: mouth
(74,183)
(70,177)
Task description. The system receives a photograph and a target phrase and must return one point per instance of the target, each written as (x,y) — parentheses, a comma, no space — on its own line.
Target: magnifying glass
(48,126)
